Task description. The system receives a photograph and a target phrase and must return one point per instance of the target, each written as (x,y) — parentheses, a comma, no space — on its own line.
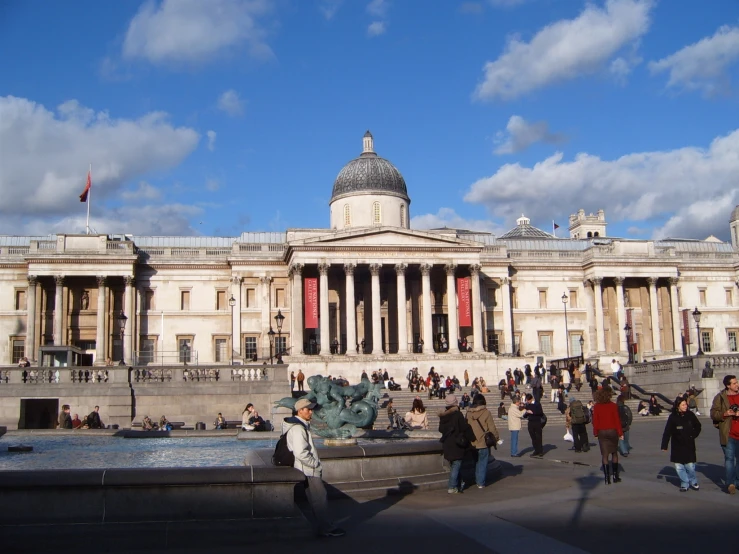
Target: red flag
(83,196)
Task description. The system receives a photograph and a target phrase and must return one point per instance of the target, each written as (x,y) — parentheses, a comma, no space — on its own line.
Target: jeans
(731,450)
(514,443)
(624,447)
(481,467)
(686,472)
(455,479)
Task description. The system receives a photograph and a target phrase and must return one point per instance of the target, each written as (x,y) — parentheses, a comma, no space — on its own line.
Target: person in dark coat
(682,428)
(457,437)
(65,420)
(533,415)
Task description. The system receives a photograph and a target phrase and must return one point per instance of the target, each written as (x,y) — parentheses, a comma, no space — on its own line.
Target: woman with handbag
(456,438)
(682,428)
(486,435)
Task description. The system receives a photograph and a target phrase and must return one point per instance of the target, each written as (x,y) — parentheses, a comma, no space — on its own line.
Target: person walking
(533,414)
(725,417)
(607,429)
(624,412)
(456,438)
(300,443)
(515,415)
(482,423)
(682,427)
(300,379)
(579,418)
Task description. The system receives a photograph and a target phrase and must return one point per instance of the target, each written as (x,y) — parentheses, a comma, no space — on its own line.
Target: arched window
(347,216)
(376,213)
(402,215)
(590,235)
(596,234)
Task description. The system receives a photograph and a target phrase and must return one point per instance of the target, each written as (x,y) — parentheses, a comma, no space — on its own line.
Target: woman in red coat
(607,429)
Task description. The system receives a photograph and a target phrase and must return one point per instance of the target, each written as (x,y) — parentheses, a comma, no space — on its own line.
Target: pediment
(387,237)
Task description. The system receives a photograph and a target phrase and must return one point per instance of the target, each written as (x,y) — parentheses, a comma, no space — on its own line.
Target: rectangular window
(221,349)
(573,299)
(20,299)
(281,345)
(575,348)
(702,296)
(543,300)
(251,298)
(517,344)
(733,341)
(706,340)
(729,297)
(221,303)
(279,298)
(149,300)
(184,347)
(545,343)
(19,350)
(250,348)
(493,342)
(184,300)
(514,298)
(148,351)
(492,301)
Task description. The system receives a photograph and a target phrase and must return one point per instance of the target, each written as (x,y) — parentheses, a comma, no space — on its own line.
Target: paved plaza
(558,504)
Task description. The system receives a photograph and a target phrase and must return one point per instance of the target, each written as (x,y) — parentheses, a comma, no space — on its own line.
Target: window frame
(545,334)
(180,356)
(20,292)
(216,352)
(13,339)
(248,353)
(376,213)
(185,293)
(706,345)
(735,332)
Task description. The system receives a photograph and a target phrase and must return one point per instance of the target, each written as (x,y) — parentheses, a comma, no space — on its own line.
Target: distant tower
(734,228)
(587,226)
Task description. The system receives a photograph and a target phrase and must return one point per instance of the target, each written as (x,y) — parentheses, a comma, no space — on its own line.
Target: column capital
(400,269)
(102,280)
(475,269)
(597,281)
(349,269)
(505,281)
(451,269)
(673,281)
(587,283)
(323,268)
(265,280)
(652,281)
(295,269)
(375,269)
(59,280)
(236,279)
(129,280)
(619,281)
(32,280)
(425,269)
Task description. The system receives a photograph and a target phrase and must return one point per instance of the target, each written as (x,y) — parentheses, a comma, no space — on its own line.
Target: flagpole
(554,231)
(89,194)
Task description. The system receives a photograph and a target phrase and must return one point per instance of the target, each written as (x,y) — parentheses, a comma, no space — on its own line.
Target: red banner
(310,285)
(465,303)
(686,326)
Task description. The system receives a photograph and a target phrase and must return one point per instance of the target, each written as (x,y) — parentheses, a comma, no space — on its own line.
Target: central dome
(369,173)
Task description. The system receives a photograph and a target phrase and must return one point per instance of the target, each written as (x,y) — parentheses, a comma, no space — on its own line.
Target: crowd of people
(91,421)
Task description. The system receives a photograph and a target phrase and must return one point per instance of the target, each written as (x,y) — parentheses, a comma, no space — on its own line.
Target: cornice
(83,261)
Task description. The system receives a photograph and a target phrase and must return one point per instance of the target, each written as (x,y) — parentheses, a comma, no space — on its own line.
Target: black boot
(607,473)
(616,478)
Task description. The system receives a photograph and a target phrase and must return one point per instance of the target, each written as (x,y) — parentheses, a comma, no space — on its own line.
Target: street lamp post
(582,351)
(567,332)
(122,319)
(271,335)
(627,329)
(697,318)
(279,318)
(232,303)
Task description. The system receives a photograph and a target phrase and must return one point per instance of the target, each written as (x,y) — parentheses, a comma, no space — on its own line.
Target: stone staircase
(403,400)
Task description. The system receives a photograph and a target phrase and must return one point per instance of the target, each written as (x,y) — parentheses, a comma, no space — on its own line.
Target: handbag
(490,439)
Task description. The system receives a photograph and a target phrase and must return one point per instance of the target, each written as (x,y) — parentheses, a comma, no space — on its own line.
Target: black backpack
(283,456)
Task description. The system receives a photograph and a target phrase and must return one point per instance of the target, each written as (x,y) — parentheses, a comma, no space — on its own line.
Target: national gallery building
(368,292)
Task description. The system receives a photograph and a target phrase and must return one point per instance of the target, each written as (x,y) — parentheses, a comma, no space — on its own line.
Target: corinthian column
(323,309)
(351,310)
(128,302)
(675,313)
(600,337)
(621,307)
(296,319)
(476,310)
(100,346)
(31,319)
(656,342)
(505,295)
(58,309)
(376,306)
(428,335)
(451,298)
(402,312)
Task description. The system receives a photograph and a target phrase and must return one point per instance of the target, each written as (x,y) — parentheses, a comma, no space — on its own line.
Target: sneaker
(335,532)
(732,489)
(454,491)
(480,486)
(683,489)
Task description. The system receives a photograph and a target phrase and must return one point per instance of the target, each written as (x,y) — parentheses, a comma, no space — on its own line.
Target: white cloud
(231,103)
(45,155)
(702,65)
(329,8)
(565,49)
(447,217)
(376,28)
(212,185)
(144,192)
(643,186)
(194,31)
(211,140)
(378,8)
(522,134)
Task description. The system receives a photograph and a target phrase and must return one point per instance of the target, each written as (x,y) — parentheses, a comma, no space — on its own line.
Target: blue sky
(225,116)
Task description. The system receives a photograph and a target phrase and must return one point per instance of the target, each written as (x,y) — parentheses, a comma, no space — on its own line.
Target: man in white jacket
(300,443)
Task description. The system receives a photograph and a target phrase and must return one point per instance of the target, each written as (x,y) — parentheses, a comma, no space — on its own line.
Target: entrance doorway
(440,326)
(38,413)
